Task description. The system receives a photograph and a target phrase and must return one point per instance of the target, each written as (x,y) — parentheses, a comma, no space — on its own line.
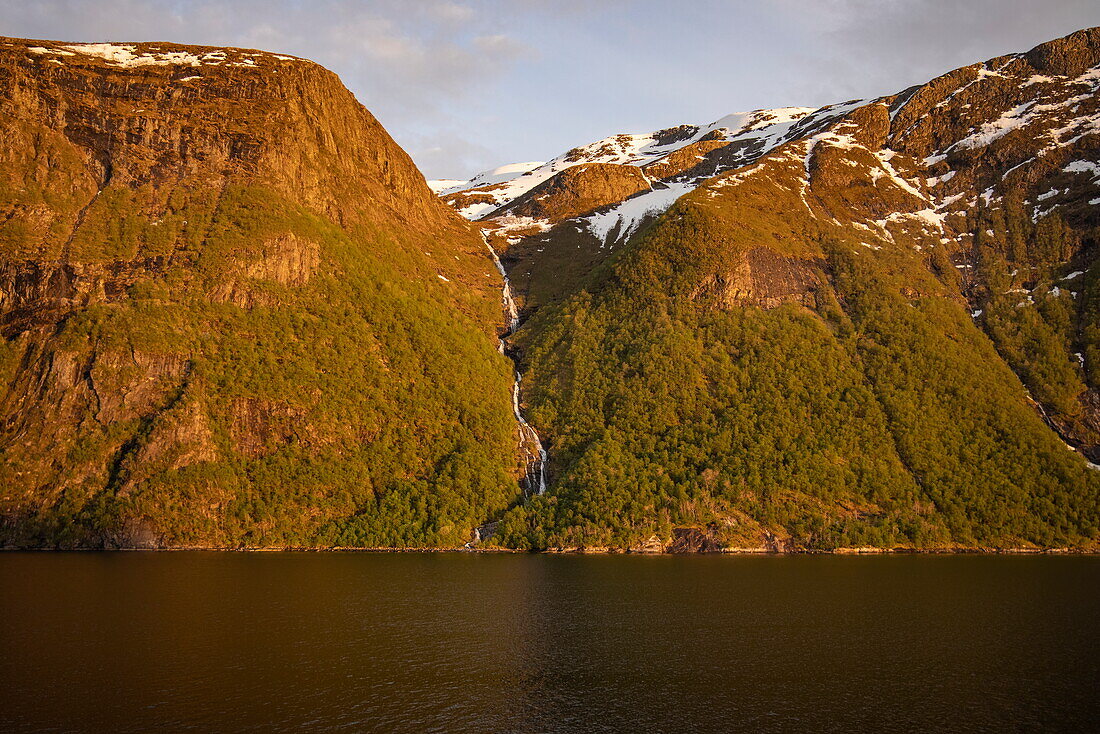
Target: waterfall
(533,451)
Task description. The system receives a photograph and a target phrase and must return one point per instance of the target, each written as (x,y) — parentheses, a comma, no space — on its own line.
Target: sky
(467,85)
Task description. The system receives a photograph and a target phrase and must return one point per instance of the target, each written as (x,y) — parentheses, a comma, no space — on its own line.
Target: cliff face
(227,297)
(870,323)
(149,114)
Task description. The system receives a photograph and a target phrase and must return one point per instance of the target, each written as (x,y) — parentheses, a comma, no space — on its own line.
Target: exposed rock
(229,113)
(675,134)
(261,426)
(1069,56)
(577,191)
(766,279)
(179,437)
(694,540)
(463,199)
(37,293)
(135,533)
(486,531)
(288,260)
(652,544)
(689,160)
(775,544)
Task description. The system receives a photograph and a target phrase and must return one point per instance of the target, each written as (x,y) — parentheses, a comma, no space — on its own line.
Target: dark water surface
(492,643)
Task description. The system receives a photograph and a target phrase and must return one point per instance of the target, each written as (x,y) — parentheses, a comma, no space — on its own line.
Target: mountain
(869,324)
(233,313)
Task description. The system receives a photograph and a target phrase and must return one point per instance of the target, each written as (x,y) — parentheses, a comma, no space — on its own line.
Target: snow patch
(438,185)
(126,56)
(625,217)
(760,130)
(1037,79)
(1011,120)
(936,180)
(522,224)
(888,170)
(1086,167)
(56,52)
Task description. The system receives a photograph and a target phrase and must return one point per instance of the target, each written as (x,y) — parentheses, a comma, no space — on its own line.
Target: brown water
(497,643)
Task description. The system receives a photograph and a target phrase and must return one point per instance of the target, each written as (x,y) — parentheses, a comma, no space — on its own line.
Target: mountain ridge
(235,315)
(950,198)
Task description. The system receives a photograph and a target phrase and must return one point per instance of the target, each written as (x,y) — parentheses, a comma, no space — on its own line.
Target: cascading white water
(528,437)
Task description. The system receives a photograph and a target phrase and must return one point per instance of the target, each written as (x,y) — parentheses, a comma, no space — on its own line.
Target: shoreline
(588,551)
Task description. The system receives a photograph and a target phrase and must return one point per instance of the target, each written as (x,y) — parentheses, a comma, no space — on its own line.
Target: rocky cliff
(232,312)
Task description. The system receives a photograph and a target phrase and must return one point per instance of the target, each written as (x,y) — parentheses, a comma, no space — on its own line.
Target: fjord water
(493,643)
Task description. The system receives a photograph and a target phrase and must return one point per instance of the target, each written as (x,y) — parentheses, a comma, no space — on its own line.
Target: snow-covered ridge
(500,174)
(1047,106)
(507,183)
(442,185)
(761,131)
(1055,112)
(128,56)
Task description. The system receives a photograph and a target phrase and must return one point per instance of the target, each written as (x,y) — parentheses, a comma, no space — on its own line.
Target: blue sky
(466,85)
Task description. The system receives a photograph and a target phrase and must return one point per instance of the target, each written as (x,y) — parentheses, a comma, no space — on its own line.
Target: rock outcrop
(577,191)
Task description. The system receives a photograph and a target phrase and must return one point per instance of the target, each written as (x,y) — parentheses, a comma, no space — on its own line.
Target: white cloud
(453,12)
(499,46)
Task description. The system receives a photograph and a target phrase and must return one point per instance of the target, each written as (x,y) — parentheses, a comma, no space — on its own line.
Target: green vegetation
(242,337)
(357,408)
(1038,321)
(882,416)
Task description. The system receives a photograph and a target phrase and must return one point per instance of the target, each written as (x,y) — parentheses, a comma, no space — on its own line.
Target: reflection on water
(462,642)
